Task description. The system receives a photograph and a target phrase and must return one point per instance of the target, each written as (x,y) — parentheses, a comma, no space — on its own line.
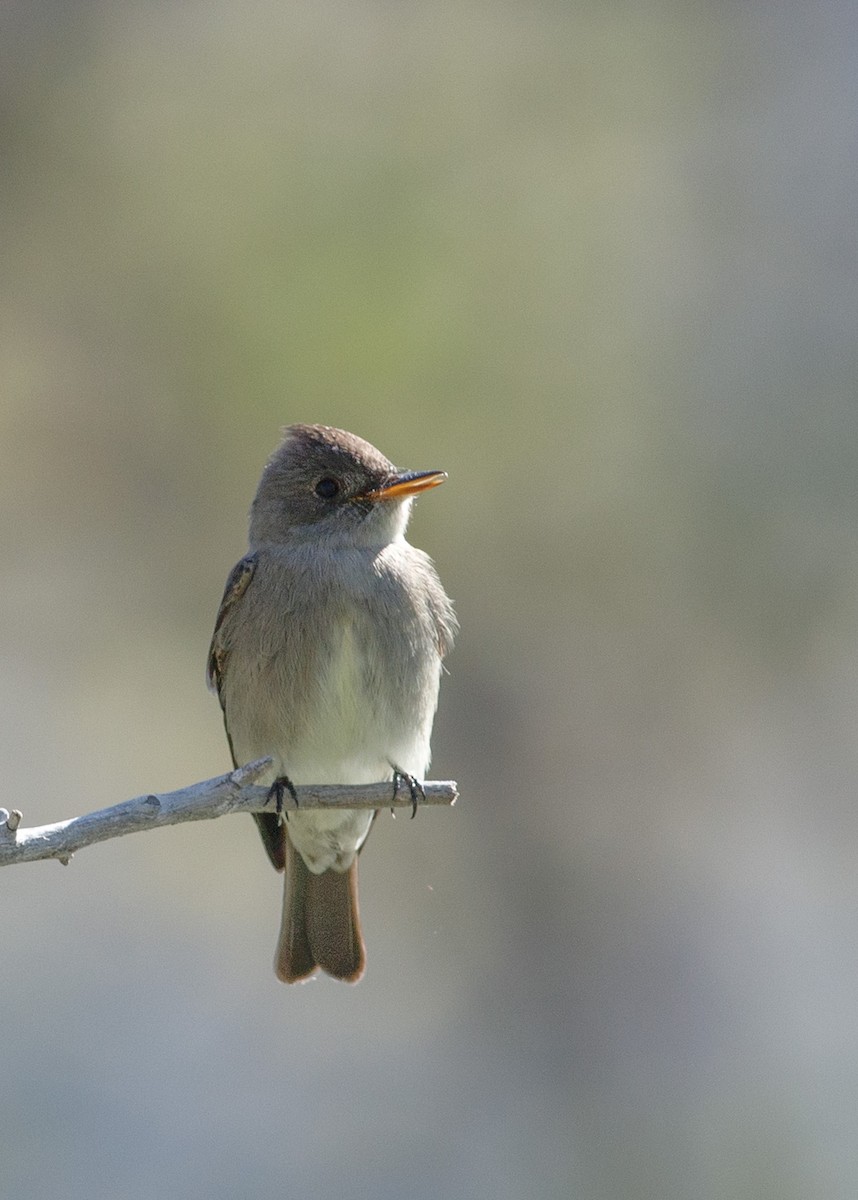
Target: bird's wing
(218,661)
(446,622)
(237,584)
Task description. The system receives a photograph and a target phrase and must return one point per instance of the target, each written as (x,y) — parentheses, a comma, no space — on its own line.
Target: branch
(231,793)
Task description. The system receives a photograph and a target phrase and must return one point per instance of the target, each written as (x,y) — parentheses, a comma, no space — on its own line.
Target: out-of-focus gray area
(598,262)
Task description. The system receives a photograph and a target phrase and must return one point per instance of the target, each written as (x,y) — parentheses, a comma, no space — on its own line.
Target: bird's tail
(321,923)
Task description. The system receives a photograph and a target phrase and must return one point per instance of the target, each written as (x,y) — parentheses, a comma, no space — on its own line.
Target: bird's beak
(406,483)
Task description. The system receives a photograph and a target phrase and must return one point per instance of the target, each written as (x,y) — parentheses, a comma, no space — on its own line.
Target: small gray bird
(326,655)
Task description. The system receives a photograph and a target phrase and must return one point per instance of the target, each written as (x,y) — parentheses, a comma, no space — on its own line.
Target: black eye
(327,488)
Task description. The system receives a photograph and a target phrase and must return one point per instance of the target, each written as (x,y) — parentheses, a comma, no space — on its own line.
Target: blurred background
(597,261)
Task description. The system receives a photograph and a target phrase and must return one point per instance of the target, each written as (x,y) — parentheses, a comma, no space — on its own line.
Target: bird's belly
(353,736)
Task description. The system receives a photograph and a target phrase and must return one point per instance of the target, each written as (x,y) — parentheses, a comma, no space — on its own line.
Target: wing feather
(218,661)
(236,585)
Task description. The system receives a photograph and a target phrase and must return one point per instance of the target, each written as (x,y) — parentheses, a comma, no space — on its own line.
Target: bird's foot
(415,787)
(279,787)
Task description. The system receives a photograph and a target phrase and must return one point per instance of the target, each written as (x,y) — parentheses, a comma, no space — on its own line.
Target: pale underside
(344,743)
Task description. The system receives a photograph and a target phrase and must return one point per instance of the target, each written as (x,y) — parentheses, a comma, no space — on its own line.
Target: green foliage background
(598,262)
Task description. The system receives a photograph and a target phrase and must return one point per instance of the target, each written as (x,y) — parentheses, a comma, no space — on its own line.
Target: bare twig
(231,793)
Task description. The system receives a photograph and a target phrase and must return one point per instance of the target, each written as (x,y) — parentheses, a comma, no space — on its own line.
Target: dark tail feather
(333,923)
(294,959)
(321,923)
(273,836)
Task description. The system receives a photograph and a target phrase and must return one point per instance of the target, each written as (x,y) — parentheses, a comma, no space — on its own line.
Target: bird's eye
(327,488)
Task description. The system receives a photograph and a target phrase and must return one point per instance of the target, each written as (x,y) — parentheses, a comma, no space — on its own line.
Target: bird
(326,657)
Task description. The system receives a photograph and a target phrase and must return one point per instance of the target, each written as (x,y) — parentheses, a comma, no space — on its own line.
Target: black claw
(280,785)
(415,787)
